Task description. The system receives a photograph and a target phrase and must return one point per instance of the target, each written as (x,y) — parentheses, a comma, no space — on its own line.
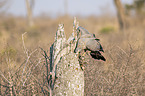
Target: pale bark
(70,77)
(67,75)
(29,14)
(121,15)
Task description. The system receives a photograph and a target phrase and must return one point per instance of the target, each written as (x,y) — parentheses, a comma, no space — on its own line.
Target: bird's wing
(93,45)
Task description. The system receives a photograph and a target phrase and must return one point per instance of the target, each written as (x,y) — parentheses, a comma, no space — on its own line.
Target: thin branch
(25,50)
(4,77)
(28,56)
(30,71)
(38,81)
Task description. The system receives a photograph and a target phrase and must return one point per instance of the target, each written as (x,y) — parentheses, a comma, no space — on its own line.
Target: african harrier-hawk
(88,42)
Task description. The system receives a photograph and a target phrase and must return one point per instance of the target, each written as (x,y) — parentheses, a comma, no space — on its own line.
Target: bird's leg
(87,52)
(80,55)
(81,59)
(81,63)
(83,55)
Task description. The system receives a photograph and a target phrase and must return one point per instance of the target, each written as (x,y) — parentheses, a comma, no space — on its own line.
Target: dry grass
(123,72)
(23,70)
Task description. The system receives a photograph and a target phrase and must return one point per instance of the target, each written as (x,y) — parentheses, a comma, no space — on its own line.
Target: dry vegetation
(23,70)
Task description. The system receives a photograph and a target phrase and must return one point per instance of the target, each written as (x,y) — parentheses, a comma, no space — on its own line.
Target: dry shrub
(122,74)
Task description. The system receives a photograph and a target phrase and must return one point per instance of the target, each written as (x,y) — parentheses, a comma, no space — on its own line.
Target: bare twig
(28,57)
(30,70)
(48,74)
(4,77)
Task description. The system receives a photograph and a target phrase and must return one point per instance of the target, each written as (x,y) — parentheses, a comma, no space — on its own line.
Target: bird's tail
(97,55)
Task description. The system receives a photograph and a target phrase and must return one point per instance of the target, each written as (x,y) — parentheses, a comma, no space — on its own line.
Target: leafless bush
(122,76)
(28,78)
(25,72)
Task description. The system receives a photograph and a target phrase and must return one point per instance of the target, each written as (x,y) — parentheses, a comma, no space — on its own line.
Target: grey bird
(88,42)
